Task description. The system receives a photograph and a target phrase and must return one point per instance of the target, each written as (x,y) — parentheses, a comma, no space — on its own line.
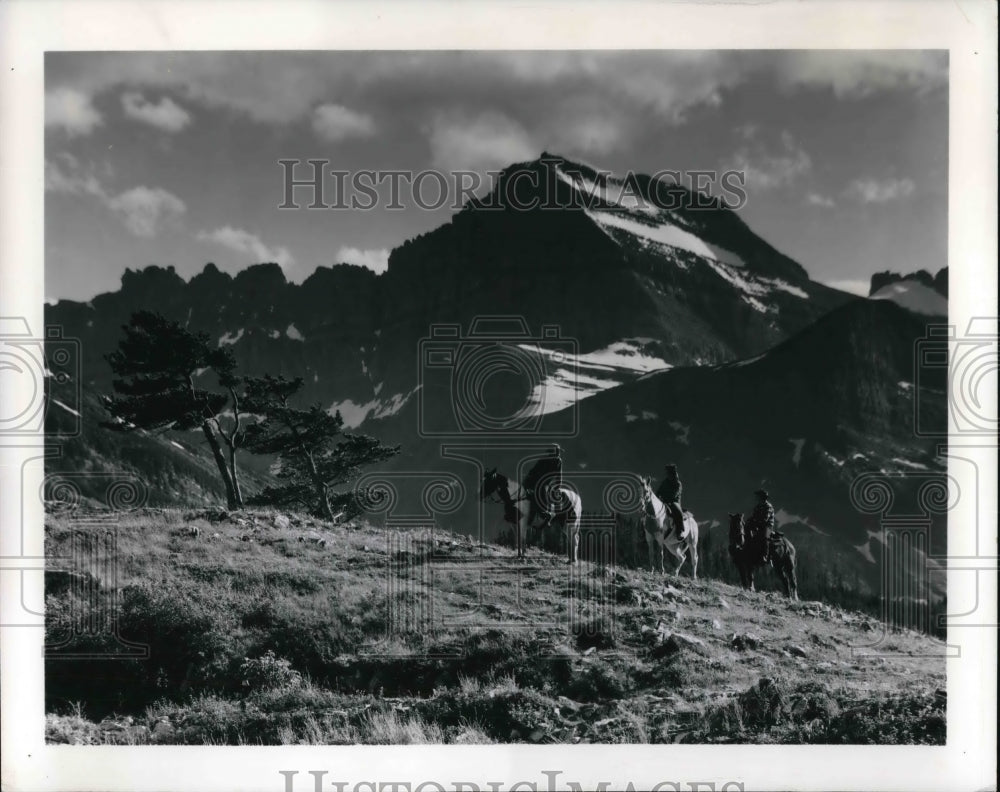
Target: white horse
(658,526)
(517,509)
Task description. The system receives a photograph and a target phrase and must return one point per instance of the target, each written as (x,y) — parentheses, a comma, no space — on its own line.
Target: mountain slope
(804,420)
(356,635)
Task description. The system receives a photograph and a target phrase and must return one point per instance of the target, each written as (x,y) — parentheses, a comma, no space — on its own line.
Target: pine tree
(156,363)
(312,460)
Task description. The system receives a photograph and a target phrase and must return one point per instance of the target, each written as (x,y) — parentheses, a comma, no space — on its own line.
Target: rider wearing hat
(547,472)
(762,523)
(670,493)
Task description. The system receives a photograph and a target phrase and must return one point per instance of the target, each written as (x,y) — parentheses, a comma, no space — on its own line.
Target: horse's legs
(681,558)
(693,550)
(793,579)
(651,544)
(575,531)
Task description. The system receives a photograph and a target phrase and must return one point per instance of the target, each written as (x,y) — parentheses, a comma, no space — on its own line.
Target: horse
(658,527)
(517,508)
(747,557)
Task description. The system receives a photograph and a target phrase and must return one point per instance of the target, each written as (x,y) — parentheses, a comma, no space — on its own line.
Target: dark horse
(746,553)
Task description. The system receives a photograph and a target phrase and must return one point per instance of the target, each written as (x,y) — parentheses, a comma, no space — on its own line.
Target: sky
(173,158)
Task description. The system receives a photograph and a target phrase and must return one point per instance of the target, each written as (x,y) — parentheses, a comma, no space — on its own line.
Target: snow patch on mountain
(797,442)
(563,388)
(67,408)
(626,354)
(683,432)
(228,339)
(909,464)
(643,415)
(355,414)
(662,233)
(293,333)
(569,378)
(914,296)
(865,548)
(782,517)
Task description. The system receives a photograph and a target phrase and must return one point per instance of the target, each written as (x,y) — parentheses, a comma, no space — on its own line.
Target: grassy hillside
(272,628)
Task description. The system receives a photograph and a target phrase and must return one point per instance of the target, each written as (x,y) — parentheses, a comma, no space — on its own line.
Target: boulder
(743,641)
(282,522)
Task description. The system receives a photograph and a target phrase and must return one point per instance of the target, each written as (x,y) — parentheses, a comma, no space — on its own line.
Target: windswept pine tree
(155,365)
(312,459)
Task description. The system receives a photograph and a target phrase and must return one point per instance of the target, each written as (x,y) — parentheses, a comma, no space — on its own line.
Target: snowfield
(570,378)
(914,296)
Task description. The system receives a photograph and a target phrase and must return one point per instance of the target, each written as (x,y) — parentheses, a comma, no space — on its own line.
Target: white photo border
(967,30)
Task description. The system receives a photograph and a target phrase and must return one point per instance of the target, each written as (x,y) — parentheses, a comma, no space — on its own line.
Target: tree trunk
(220,460)
(322,498)
(237,492)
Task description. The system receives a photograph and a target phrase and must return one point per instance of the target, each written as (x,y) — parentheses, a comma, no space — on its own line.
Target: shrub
(268,672)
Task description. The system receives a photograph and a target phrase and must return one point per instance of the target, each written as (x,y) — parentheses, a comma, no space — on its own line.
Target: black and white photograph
(472,395)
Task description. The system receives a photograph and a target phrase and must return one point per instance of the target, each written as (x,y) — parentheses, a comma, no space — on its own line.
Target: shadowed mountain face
(803,420)
(693,285)
(675,334)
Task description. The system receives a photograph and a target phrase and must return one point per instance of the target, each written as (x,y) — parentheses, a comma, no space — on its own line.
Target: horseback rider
(548,472)
(761,523)
(670,493)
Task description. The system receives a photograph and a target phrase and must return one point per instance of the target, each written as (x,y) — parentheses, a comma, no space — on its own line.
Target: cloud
(144,209)
(69,180)
(824,201)
(854,286)
(874,191)
(768,166)
(71,110)
(334,123)
(167,115)
(249,244)
(490,140)
(375,260)
(853,74)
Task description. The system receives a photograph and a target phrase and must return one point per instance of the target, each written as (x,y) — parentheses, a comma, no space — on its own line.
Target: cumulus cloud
(71,110)
(861,73)
(879,191)
(145,209)
(769,165)
(478,143)
(334,123)
(375,260)
(63,175)
(249,244)
(823,201)
(167,115)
